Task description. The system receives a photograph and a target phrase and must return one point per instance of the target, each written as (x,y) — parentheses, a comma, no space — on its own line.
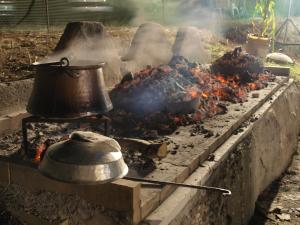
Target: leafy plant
(266,10)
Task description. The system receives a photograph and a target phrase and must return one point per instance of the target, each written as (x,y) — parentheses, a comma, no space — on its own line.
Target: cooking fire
(118,130)
(155,102)
(182,93)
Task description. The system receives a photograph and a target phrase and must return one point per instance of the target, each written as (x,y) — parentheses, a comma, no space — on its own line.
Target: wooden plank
(279,70)
(146,147)
(152,197)
(150,200)
(120,195)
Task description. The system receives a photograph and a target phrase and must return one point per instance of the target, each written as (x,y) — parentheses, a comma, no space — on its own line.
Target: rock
(283,217)
(83,214)
(189,44)
(279,58)
(150,46)
(255,95)
(89,42)
(127,77)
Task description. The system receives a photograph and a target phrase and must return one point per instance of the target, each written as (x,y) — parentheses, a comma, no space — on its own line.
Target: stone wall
(246,164)
(14,96)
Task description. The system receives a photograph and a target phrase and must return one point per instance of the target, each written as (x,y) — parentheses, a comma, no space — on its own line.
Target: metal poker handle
(64,62)
(225,192)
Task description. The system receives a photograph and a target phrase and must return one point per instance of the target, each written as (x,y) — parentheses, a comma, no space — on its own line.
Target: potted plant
(258,43)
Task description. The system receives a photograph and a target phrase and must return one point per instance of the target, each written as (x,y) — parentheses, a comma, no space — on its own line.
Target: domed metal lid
(86,158)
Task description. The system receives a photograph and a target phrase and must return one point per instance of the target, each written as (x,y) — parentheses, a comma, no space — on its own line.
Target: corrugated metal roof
(60,11)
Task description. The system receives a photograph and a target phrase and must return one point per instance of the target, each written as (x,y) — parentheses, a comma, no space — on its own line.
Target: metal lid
(86,158)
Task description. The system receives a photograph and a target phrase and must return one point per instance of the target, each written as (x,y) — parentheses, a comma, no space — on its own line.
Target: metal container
(87,158)
(68,91)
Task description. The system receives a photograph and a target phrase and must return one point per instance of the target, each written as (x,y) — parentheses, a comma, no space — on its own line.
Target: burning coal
(182,92)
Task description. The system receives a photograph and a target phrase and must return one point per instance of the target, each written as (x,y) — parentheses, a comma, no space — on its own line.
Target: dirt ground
(280,203)
(21,48)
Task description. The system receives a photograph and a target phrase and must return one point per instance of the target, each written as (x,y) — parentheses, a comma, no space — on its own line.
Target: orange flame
(221,79)
(176,119)
(39,152)
(252,86)
(205,94)
(192,92)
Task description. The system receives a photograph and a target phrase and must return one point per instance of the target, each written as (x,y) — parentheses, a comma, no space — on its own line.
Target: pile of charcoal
(181,93)
(245,66)
(154,90)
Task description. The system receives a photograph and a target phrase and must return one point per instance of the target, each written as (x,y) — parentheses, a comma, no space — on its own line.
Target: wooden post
(47,14)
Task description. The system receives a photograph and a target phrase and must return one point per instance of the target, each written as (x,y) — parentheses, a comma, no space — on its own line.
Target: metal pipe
(225,192)
(290,8)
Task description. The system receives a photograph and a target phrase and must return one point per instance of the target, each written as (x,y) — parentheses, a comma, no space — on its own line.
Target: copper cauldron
(62,90)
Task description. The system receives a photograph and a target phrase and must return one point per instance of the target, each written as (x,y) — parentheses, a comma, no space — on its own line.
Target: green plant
(266,10)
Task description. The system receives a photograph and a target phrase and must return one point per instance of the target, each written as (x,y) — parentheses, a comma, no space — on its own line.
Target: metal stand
(90,119)
(284,28)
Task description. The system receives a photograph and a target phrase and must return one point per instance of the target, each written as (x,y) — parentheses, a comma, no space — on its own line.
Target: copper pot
(62,90)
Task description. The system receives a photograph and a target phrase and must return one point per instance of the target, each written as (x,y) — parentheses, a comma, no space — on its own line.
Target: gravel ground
(20,48)
(280,203)
(52,207)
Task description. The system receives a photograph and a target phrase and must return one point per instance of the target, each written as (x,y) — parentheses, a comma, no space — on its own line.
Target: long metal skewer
(225,192)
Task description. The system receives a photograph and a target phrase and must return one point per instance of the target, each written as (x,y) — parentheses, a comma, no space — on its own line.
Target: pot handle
(64,62)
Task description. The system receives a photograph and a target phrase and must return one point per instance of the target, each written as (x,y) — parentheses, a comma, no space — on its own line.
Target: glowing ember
(181,92)
(40,150)
(252,86)
(193,93)
(205,94)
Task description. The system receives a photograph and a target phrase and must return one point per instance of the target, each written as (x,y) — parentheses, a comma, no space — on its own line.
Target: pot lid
(85,158)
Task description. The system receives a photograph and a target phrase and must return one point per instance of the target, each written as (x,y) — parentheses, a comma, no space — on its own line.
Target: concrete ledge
(12,121)
(246,163)
(14,96)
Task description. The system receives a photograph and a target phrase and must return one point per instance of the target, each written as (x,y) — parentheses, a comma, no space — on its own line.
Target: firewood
(148,148)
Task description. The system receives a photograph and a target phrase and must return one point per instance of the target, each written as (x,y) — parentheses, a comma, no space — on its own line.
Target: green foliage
(266,10)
